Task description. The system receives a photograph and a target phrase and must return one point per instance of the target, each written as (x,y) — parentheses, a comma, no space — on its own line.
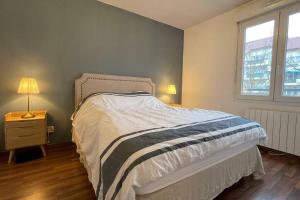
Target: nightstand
(25,132)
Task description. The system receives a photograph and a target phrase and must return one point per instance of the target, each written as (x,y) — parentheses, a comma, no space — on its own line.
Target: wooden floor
(61,176)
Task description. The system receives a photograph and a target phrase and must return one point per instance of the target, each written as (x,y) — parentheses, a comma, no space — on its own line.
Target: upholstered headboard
(91,83)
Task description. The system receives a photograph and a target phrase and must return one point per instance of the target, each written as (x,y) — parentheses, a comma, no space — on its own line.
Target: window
(257,65)
(290,63)
(269,56)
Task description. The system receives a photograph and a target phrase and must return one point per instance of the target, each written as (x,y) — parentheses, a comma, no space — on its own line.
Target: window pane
(257,61)
(291,76)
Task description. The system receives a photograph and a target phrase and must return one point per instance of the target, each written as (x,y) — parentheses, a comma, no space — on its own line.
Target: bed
(134,146)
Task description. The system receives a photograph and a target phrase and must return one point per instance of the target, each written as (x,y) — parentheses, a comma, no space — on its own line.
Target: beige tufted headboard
(91,83)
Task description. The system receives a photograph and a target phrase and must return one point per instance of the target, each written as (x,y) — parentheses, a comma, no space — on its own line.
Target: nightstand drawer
(16,138)
(25,124)
(25,133)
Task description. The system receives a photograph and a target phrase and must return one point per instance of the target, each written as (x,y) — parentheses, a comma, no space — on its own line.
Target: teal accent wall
(56,41)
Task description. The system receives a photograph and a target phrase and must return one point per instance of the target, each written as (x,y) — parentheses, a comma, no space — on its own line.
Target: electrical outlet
(51,129)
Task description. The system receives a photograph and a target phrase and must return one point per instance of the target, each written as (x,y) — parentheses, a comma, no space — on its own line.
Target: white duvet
(104,118)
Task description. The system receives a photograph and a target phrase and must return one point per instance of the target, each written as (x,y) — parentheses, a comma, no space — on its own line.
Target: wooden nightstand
(21,132)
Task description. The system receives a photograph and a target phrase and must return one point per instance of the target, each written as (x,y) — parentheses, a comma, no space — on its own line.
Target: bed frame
(91,83)
(206,183)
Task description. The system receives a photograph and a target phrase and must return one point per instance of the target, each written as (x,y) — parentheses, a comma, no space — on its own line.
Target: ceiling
(178,13)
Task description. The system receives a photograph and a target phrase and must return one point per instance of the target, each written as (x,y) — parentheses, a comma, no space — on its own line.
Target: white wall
(209,63)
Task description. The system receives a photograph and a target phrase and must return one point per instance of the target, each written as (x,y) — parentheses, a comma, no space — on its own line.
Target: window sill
(268,102)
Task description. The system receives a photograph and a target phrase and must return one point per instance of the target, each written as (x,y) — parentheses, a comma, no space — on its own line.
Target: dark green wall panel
(56,41)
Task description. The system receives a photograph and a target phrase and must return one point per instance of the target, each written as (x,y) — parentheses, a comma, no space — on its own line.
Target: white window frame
(278,54)
(282,43)
(242,33)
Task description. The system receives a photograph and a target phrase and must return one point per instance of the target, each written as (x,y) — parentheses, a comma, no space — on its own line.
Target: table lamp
(171,90)
(28,86)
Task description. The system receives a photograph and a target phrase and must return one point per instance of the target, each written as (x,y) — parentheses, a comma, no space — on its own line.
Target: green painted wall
(56,41)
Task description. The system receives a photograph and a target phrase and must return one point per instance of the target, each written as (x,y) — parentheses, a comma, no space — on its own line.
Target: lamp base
(28,115)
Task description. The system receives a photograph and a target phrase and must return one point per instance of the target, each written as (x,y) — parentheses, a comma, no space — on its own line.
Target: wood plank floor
(62,176)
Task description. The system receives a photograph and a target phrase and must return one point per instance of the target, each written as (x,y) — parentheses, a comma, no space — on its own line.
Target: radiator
(283,128)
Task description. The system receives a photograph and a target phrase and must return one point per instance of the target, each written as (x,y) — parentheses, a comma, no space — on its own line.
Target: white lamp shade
(28,86)
(171,89)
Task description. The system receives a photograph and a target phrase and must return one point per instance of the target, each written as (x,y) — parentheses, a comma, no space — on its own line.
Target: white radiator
(283,128)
